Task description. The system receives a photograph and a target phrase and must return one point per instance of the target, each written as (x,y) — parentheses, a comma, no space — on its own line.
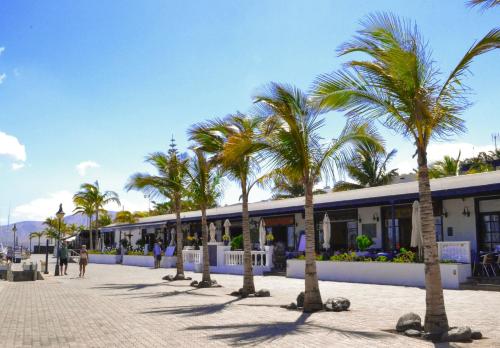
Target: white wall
(366,214)
(464,228)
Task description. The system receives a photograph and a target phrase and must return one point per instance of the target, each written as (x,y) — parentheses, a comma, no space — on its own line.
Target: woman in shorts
(84,260)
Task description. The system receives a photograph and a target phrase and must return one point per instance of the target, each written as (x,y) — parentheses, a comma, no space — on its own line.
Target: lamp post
(14,229)
(60,216)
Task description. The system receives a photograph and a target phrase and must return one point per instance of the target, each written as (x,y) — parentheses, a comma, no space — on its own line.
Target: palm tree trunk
(248,284)
(204,243)
(91,244)
(435,315)
(97,227)
(178,227)
(312,299)
(39,243)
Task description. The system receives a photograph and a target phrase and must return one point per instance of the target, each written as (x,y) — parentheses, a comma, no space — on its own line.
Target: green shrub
(349,257)
(301,257)
(94,252)
(135,253)
(237,242)
(382,259)
(364,242)
(404,256)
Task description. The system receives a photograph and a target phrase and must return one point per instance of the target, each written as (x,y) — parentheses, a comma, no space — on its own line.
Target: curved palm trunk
(179,247)
(435,315)
(248,284)
(204,243)
(39,244)
(312,299)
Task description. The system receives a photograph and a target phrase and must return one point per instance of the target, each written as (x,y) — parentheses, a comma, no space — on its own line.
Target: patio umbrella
(416,228)
(262,234)
(172,237)
(326,232)
(227,225)
(212,232)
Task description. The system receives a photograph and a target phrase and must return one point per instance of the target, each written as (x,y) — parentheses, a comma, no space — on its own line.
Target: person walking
(84,260)
(157,254)
(63,258)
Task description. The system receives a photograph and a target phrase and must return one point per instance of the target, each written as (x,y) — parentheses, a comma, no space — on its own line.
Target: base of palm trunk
(172,278)
(243,294)
(205,284)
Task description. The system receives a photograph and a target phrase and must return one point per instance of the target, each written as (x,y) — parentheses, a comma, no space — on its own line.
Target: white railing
(455,251)
(259,258)
(192,256)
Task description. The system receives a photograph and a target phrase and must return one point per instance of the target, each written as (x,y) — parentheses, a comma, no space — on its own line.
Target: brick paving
(127,306)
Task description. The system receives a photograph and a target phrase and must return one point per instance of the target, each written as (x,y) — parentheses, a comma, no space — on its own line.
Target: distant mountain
(24,228)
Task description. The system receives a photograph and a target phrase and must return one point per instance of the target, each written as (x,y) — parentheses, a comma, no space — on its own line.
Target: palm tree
(448,166)
(368,167)
(485,4)
(170,183)
(91,195)
(204,191)
(284,185)
(85,206)
(124,216)
(36,235)
(294,145)
(233,144)
(400,85)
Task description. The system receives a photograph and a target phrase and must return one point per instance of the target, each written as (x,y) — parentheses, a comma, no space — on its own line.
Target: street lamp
(60,216)
(14,229)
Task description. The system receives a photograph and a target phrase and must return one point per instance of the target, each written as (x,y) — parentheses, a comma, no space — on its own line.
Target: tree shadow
(129,287)
(268,332)
(193,310)
(173,293)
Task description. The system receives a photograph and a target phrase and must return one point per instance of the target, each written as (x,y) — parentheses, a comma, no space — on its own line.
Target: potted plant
(364,242)
(269,241)
(226,239)
(237,243)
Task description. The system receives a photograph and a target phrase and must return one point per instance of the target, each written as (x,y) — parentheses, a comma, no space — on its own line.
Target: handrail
(259,258)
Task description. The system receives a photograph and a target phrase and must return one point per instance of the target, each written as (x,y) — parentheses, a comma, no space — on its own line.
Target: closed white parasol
(262,234)
(212,232)
(416,228)
(172,237)
(227,226)
(326,232)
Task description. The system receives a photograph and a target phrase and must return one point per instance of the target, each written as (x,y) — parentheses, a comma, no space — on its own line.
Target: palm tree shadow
(193,310)
(129,287)
(266,333)
(173,293)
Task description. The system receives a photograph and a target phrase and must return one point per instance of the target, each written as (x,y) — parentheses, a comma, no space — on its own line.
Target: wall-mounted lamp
(375,217)
(445,213)
(359,220)
(466,212)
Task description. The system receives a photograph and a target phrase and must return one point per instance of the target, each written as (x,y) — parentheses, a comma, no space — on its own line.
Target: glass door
(489,237)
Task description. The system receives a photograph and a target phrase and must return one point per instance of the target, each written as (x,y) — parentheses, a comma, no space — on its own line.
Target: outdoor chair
(487,264)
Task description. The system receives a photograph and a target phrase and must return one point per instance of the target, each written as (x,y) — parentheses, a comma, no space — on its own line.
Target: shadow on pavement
(268,332)
(193,310)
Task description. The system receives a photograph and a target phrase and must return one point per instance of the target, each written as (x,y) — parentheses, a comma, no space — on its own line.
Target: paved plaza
(123,306)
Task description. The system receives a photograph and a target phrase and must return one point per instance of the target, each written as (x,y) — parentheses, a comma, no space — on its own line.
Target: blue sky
(106,82)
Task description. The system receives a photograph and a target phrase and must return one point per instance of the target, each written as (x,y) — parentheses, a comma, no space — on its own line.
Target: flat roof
(443,188)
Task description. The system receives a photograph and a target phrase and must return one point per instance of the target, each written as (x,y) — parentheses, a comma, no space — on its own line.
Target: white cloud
(2,78)
(2,49)
(41,208)
(82,167)
(11,147)
(17,165)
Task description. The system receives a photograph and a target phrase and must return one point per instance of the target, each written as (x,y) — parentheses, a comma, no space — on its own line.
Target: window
(369,230)
(490,232)
(438,226)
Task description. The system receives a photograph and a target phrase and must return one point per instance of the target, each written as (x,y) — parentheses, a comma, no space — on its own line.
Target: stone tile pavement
(123,306)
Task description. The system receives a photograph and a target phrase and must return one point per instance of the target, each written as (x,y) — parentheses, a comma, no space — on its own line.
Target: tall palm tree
(400,85)
(204,184)
(169,183)
(368,167)
(294,145)
(125,216)
(283,184)
(38,235)
(85,206)
(448,166)
(233,144)
(484,4)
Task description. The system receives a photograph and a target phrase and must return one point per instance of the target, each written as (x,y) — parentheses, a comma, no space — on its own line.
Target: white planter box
(388,273)
(138,260)
(104,258)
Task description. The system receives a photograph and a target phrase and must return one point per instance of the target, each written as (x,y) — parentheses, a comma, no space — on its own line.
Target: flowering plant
(269,237)
(226,237)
